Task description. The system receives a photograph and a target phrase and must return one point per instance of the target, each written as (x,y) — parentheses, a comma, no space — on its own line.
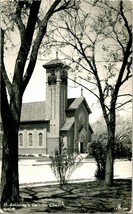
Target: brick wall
(52,143)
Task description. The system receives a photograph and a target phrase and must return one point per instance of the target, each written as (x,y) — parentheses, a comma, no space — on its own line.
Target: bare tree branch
(125,19)
(38,40)
(118,40)
(128,75)
(122,104)
(85,88)
(125,57)
(18,19)
(26,44)
(68,4)
(124,95)
(88,81)
(3,70)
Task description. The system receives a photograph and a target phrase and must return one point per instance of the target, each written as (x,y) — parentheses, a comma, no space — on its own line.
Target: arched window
(40,139)
(83,137)
(21,139)
(30,139)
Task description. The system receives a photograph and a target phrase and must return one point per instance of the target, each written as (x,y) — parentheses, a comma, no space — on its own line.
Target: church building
(42,123)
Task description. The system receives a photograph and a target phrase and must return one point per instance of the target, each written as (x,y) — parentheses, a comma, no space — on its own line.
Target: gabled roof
(68,124)
(91,130)
(70,101)
(34,111)
(74,103)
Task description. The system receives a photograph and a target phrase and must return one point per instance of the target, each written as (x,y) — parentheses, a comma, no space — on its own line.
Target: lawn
(87,197)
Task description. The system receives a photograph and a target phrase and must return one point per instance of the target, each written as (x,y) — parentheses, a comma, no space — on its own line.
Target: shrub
(98,151)
(123,147)
(63,164)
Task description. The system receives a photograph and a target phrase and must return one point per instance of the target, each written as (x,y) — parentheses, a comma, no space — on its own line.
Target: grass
(87,197)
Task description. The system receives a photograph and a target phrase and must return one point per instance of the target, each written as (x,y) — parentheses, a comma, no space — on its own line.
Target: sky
(35,90)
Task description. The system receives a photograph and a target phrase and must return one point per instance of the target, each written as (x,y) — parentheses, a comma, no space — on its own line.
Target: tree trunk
(109,173)
(10,120)
(10,176)
(109,166)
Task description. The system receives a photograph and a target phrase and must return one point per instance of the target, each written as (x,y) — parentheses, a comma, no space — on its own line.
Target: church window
(83,137)
(30,139)
(21,139)
(40,139)
(52,78)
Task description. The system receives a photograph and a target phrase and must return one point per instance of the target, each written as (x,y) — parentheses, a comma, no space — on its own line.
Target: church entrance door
(81,147)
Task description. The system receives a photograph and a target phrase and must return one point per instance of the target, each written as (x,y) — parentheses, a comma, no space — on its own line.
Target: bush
(98,151)
(123,149)
(63,164)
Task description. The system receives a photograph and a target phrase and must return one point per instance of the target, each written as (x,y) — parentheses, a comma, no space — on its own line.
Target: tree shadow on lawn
(31,194)
(89,197)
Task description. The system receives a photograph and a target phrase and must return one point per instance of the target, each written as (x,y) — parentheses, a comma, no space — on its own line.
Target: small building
(42,123)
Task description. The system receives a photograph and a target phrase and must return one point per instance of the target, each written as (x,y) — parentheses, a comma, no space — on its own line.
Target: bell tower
(56,94)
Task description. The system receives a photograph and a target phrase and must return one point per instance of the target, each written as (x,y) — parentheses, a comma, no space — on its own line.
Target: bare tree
(99,36)
(31,23)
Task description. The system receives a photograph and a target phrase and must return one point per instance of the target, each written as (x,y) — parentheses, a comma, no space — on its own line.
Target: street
(31,171)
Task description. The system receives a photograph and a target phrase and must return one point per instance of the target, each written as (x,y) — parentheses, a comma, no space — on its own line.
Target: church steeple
(56,93)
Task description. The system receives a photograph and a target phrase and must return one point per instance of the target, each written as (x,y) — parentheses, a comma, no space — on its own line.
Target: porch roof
(68,124)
